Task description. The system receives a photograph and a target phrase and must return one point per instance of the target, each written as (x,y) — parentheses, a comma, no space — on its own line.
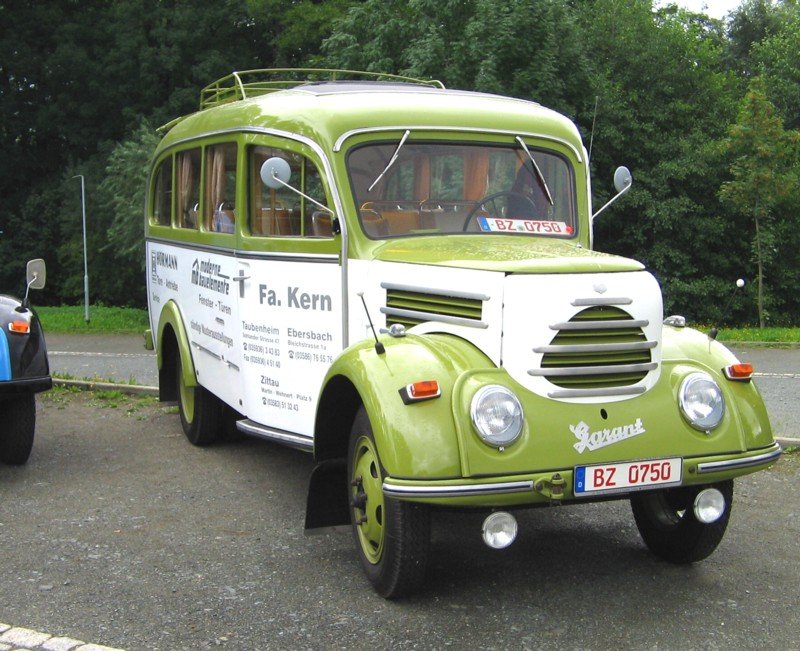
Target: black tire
(16,441)
(392,537)
(200,410)
(669,528)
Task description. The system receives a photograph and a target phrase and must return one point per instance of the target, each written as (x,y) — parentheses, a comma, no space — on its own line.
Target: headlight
(701,401)
(496,415)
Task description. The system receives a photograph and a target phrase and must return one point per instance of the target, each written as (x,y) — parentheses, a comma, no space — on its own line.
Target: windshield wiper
(391,160)
(539,175)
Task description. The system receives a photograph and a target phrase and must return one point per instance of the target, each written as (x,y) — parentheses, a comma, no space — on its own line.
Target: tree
(766,172)
(664,98)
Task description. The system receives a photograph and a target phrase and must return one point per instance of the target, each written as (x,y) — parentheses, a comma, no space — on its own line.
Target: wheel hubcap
(366,499)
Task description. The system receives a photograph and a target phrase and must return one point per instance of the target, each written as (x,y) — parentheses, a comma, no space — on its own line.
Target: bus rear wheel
(200,410)
(392,537)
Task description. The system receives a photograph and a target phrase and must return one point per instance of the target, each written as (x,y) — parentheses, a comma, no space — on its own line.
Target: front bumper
(557,485)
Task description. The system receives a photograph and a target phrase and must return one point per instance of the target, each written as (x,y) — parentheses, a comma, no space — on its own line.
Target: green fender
(171,316)
(417,440)
(697,349)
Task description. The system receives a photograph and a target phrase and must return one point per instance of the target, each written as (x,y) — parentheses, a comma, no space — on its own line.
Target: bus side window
(162,193)
(282,212)
(220,188)
(187,188)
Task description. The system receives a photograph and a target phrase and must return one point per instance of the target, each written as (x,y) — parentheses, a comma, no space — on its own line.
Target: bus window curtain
(476,175)
(216,186)
(185,178)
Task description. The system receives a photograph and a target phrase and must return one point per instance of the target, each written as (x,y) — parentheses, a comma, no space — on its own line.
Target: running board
(298,441)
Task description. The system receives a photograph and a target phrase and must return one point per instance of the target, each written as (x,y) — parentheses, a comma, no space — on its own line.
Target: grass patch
(135,406)
(764,335)
(69,319)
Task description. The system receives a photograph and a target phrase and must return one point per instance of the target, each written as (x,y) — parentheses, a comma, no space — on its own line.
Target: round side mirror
(36,274)
(274,170)
(622,179)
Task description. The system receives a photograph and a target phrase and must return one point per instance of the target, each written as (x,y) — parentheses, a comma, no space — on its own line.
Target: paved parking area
(120,532)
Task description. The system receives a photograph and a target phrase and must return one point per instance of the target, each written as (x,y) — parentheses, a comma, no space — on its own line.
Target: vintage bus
(400,279)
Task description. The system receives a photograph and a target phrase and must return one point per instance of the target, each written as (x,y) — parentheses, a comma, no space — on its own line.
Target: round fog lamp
(499,530)
(709,505)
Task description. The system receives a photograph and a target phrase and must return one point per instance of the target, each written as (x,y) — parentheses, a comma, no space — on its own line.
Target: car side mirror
(275,172)
(622,183)
(36,275)
(622,179)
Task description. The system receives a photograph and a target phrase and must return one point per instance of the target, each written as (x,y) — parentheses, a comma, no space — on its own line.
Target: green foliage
(765,183)
(82,85)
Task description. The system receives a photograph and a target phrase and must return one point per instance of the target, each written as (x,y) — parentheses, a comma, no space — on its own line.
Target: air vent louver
(409,307)
(597,352)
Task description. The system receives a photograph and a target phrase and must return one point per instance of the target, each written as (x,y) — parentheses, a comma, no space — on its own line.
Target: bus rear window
(162,194)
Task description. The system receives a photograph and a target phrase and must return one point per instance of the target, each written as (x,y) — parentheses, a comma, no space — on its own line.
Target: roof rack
(251,83)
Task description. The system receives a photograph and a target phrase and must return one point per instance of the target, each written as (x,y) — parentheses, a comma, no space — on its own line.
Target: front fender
(417,440)
(23,353)
(694,347)
(171,318)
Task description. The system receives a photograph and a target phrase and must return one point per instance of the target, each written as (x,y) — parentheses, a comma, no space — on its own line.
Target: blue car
(24,369)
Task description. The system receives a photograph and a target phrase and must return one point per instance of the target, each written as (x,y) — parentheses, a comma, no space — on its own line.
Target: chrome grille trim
(591,393)
(601,351)
(597,348)
(601,325)
(592,370)
(590,302)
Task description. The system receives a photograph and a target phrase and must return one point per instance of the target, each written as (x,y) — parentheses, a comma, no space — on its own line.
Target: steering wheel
(496,209)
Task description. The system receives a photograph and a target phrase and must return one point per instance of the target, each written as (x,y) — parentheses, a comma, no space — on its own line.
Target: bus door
(290,293)
(209,302)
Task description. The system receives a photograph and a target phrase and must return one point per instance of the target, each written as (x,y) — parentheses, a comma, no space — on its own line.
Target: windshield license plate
(530,226)
(629,476)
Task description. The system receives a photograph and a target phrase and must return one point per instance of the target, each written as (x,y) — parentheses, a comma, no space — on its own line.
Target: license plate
(530,226)
(629,476)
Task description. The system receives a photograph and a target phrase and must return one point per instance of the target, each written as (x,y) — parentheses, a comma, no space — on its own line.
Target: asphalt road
(120,532)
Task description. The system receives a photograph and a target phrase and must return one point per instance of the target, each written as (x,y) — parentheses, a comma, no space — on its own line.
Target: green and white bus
(400,279)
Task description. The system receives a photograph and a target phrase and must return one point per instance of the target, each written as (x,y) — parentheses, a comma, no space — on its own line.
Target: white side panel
(201,285)
(370,276)
(291,331)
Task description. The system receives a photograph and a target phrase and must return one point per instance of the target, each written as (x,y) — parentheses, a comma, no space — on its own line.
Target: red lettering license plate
(629,476)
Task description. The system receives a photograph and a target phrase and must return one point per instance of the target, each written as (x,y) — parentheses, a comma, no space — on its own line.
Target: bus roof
(329,112)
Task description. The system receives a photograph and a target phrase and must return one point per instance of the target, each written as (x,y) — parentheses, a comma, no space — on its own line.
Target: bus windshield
(406,188)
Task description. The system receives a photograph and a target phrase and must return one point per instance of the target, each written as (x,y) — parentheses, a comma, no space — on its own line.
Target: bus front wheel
(392,537)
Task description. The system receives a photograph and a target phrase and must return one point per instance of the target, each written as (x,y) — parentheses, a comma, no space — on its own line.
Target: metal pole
(85,259)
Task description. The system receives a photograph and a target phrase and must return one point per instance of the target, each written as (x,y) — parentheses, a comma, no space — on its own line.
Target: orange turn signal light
(739,372)
(20,327)
(418,391)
